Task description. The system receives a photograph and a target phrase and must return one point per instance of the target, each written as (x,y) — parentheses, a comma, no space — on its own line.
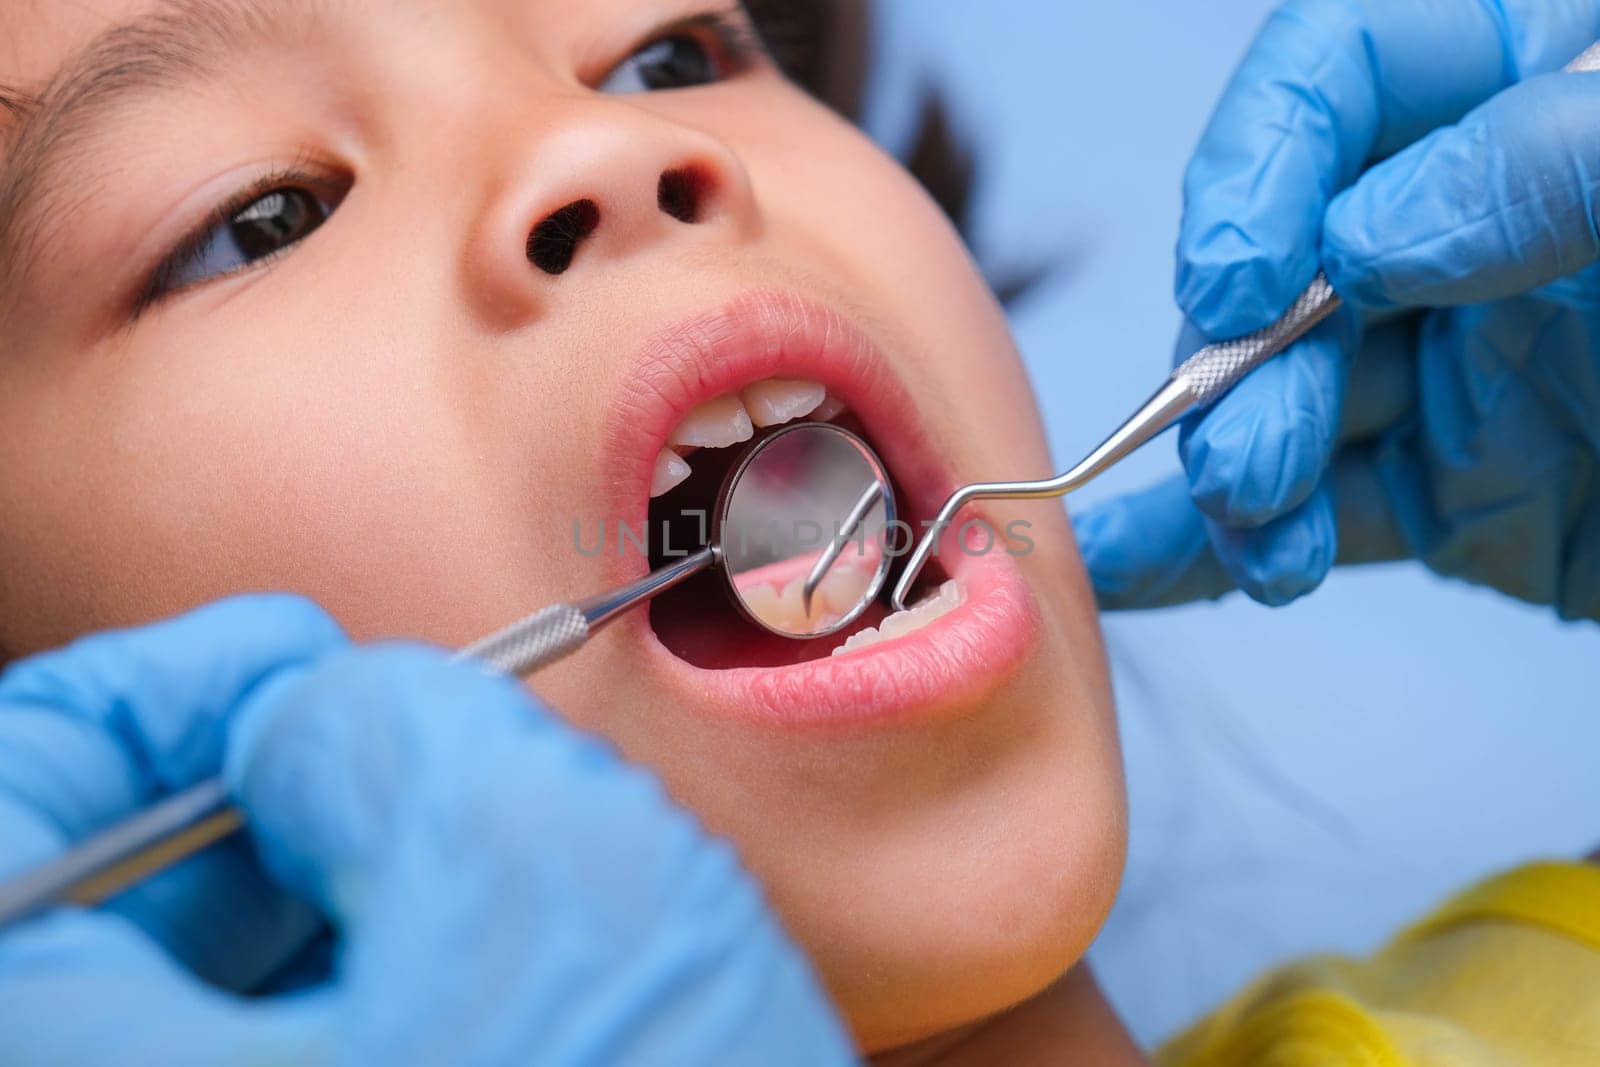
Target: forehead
(36,35)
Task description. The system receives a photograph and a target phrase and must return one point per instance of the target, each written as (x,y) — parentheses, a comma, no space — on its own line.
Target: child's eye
(239,237)
(676,62)
(699,51)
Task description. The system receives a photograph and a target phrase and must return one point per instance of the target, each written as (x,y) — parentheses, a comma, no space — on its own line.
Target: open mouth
(701,391)
(697,621)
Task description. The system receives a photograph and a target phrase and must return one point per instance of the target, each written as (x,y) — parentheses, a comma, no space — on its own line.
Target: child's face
(401,416)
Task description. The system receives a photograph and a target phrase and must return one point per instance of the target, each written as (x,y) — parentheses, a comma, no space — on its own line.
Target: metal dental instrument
(1199,381)
(804,476)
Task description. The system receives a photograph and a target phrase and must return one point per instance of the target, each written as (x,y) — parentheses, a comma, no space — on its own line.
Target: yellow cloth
(1506,973)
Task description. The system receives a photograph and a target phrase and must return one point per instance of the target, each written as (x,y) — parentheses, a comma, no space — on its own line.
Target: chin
(998,889)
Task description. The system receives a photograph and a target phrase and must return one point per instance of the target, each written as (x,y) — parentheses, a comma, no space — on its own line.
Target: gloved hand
(503,889)
(1466,435)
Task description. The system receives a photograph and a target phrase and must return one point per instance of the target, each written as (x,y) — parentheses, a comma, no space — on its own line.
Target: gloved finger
(218,915)
(1382,387)
(1283,560)
(1262,449)
(81,988)
(478,853)
(1384,512)
(91,732)
(1501,203)
(1396,503)
(95,730)
(371,752)
(1328,86)
(1149,549)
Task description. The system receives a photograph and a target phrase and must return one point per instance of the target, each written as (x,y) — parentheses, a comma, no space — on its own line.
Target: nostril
(554,242)
(679,193)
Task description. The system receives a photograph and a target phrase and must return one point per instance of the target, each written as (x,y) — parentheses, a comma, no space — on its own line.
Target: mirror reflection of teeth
(784,607)
(732,419)
(946,599)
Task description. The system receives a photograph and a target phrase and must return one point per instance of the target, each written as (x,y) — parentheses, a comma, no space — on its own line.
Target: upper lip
(760,335)
(952,662)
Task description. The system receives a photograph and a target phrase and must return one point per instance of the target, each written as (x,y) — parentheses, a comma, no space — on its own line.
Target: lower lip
(953,663)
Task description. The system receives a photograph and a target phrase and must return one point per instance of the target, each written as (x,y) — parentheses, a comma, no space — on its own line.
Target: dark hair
(825,47)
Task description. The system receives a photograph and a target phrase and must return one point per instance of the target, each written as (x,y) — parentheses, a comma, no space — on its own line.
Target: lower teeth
(946,599)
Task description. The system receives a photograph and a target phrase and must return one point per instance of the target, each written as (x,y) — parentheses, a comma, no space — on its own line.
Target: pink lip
(950,663)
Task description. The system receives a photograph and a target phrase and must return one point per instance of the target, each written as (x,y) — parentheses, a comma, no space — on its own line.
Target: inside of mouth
(698,621)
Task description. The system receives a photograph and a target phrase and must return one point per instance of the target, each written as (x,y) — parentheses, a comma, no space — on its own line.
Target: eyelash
(297,175)
(730,33)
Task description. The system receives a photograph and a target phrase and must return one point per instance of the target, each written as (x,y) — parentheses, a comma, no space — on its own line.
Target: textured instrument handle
(537,641)
(1216,368)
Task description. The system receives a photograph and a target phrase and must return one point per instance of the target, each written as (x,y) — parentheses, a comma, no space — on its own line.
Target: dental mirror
(800,524)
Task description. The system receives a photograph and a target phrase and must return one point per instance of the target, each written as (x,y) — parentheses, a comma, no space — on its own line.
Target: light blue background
(1301,780)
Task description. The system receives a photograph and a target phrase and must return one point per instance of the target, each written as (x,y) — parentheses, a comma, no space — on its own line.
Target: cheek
(395,484)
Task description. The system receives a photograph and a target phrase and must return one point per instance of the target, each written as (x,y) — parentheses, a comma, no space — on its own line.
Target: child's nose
(687,194)
(602,196)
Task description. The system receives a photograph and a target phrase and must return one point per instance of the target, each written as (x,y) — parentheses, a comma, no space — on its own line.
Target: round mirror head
(801,525)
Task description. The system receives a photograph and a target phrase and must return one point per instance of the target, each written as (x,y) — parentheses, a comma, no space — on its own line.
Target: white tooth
(715,424)
(901,622)
(830,408)
(774,401)
(765,603)
(793,611)
(841,588)
(858,640)
(947,598)
(670,473)
(795,616)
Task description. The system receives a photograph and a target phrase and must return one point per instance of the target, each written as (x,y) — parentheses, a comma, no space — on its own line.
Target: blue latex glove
(504,890)
(1464,436)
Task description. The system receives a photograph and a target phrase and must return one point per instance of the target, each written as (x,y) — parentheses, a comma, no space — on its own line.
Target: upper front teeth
(671,470)
(774,402)
(732,419)
(715,424)
(830,409)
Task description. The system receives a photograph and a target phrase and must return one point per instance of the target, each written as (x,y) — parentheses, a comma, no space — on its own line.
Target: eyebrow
(175,43)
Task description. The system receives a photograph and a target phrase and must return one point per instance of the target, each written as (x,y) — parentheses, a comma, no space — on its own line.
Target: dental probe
(1199,382)
(186,822)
